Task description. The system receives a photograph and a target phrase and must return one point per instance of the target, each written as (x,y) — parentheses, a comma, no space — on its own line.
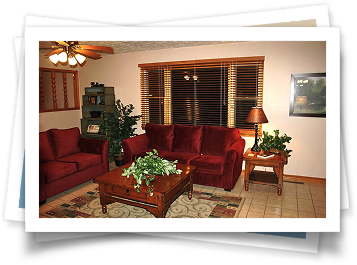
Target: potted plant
(119,126)
(275,143)
(146,168)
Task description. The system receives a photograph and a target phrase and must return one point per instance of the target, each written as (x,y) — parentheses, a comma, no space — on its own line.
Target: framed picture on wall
(308,95)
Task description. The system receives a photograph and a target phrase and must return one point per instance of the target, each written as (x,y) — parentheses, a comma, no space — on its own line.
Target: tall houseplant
(119,126)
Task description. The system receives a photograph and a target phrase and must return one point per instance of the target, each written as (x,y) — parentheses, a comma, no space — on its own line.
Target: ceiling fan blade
(97,48)
(54,52)
(62,43)
(89,54)
(48,47)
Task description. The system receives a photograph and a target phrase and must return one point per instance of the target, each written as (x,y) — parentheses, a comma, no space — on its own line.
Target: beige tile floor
(306,200)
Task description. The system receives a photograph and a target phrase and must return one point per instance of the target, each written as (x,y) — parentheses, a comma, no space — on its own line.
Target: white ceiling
(135,46)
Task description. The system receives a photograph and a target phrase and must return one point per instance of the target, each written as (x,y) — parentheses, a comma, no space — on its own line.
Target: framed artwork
(308,95)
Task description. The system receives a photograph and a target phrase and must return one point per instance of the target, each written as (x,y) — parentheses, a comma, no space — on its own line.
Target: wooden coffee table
(113,187)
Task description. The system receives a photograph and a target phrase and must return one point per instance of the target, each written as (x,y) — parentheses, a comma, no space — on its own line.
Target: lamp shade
(256,115)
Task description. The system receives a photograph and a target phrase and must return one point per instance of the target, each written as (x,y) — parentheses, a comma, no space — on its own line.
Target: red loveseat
(217,152)
(67,160)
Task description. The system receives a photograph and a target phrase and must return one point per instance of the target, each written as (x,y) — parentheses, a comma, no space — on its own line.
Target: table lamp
(256,115)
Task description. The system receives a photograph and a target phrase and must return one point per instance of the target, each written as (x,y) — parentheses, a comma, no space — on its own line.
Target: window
(58,90)
(217,92)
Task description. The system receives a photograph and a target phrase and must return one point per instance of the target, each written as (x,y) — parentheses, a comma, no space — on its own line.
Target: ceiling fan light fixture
(80,58)
(71,60)
(54,58)
(62,57)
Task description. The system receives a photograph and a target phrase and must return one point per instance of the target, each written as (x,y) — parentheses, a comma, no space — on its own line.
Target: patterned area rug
(202,205)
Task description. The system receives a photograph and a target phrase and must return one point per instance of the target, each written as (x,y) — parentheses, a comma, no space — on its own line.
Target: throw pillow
(65,141)
(217,140)
(160,136)
(187,139)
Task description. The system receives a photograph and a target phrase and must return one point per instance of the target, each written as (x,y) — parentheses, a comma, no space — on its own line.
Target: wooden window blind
(216,92)
(152,95)
(248,93)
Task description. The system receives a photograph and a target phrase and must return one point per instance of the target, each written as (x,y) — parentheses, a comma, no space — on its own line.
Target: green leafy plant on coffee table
(271,142)
(144,169)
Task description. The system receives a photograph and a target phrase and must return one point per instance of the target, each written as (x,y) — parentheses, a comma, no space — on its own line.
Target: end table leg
(246,185)
(104,208)
(280,179)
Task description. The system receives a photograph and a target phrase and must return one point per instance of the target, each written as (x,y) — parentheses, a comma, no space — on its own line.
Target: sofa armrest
(238,147)
(233,164)
(96,146)
(134,145)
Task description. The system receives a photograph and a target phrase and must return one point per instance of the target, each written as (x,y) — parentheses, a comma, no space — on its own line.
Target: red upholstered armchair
(67,160)
(217,152)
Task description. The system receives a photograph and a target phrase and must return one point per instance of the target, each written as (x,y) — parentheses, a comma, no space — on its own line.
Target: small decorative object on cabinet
(96,101)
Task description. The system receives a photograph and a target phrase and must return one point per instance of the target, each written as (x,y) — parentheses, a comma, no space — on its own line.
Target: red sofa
(216,151)
(67,160)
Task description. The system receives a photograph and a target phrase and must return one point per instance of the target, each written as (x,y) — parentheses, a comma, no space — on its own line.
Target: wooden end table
(277,162)
(113,187)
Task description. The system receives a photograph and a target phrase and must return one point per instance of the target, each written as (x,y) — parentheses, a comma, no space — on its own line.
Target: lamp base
(255,147)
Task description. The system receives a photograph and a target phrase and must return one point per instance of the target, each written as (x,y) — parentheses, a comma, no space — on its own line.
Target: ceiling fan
(74,52)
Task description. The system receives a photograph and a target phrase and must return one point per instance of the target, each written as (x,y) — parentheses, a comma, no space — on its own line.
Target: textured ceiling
(135,46)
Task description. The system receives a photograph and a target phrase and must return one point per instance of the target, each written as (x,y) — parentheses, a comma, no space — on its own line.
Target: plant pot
(119,160)
(274,151)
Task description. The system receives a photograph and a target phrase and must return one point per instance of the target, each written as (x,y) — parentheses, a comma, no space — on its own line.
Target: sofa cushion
(82,160)
(160,136)
(187,139)
(209,163)
(65,141)
(46,152)
(181,157)
(217,140)
(55,170)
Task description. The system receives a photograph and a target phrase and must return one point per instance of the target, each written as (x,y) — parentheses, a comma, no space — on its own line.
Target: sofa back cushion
(160,136)
(65,141)
(217,140)
(46,152)
(187,139)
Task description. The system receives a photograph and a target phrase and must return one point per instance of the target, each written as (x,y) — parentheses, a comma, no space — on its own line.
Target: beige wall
(281,60)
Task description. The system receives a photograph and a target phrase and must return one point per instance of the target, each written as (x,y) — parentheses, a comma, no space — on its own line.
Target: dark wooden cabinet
(96,101)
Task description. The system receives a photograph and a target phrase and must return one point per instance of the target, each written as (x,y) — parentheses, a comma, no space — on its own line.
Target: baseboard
(300,178)
(304,179)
